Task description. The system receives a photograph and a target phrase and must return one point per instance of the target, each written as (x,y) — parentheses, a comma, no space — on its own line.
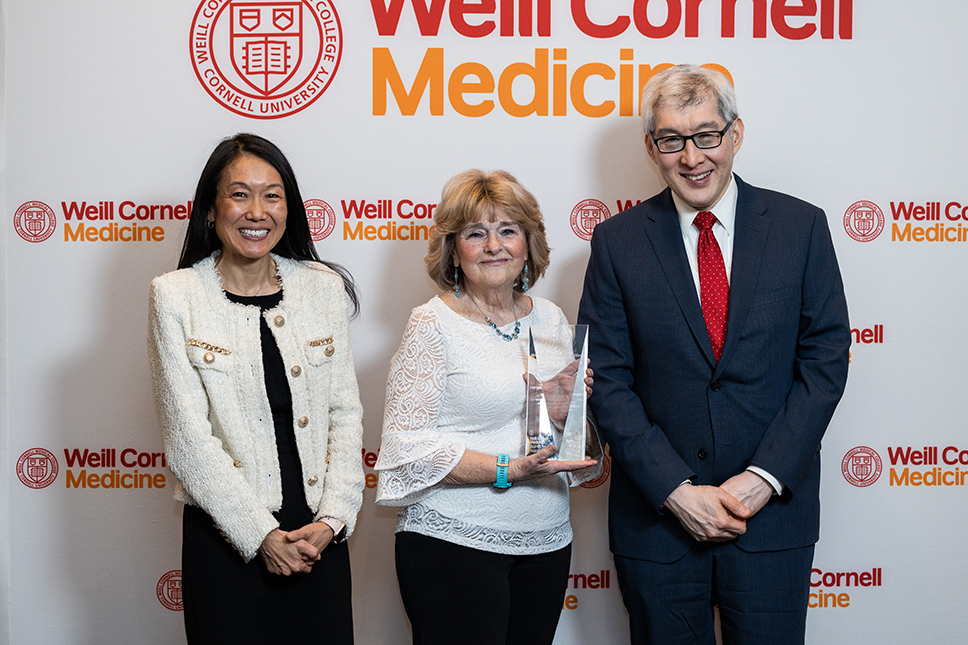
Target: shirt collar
(724,209)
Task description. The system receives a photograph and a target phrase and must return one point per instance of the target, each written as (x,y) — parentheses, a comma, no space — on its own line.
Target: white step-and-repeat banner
(111,107)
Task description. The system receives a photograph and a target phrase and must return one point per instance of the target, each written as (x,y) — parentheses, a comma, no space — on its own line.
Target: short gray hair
(687,86)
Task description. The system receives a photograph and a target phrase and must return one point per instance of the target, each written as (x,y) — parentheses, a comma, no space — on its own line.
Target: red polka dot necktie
(713,285)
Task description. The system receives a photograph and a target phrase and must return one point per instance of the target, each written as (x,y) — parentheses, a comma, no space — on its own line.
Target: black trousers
(456,594)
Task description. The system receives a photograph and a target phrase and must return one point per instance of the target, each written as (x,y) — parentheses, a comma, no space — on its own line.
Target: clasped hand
(286,553)
(719,513)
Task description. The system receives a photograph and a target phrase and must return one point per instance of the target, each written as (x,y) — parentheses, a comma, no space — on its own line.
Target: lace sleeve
(413,454)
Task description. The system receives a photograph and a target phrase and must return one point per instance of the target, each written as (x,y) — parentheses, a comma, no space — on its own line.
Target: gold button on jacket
(296,370)
(279,321)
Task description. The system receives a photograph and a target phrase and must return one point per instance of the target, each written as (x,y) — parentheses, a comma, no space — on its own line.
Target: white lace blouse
(455,384)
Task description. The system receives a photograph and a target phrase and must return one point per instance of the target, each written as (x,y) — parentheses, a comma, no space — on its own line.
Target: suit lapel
(666,236)
(751,229)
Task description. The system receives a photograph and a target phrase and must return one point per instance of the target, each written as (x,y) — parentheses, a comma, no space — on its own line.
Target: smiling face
(491,254)
(697,177)
(250,209)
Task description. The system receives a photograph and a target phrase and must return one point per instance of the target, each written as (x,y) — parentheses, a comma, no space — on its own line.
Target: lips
(699,177)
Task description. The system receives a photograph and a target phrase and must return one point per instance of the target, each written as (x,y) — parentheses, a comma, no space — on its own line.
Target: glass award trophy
(557,403)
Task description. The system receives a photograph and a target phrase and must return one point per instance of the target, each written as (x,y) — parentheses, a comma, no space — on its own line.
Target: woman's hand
(317,534)
(558,390)
(540,465)
(285,558)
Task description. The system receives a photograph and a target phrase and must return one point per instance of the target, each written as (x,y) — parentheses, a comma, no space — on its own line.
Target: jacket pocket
(321,351)
(205,356)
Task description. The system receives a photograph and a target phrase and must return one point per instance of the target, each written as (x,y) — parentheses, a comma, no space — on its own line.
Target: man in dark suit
(719,336)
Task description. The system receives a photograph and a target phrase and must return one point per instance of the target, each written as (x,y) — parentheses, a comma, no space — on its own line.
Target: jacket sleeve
(792,439)
(344,481)
(195,456)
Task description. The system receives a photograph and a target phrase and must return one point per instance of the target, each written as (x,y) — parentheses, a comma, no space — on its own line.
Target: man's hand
(708,513)
(749,489)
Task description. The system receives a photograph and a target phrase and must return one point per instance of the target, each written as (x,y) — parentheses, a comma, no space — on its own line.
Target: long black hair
(296,242)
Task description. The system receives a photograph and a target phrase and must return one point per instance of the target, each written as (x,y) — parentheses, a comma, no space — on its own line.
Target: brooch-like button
(313,480)
(209,357)
(296,370)
(330,351)
(303,422)
(237,464)
(278,321)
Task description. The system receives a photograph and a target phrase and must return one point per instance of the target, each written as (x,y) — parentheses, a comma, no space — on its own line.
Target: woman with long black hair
(259,407)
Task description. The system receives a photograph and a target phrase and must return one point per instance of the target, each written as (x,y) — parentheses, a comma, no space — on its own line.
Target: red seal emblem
(601,479)
(169,590)
(37,468)
(34,221)
(266,60)
(864,221)
(586,215)
(861,466)
(322,218)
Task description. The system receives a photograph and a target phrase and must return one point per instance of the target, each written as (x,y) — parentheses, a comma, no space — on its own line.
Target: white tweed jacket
(206,364)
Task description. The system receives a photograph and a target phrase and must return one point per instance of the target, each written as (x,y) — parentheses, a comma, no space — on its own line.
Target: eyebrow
(708,126)
(245,185)
(500,224)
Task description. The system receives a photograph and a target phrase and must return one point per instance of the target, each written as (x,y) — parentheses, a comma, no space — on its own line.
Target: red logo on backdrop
(37,468)
(322,218)
(601,479)
(861,466)
(34,221)
(169,590)
(266,60)
(586,215)
(864,221)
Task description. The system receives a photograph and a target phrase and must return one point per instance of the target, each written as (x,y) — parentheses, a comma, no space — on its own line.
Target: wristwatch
(502,472)
(339,536)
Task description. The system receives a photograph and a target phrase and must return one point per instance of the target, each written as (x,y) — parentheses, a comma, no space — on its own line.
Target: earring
(210,223)
(524,279)
(457,293)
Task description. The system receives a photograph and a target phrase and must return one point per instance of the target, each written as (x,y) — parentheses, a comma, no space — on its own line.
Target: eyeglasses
(702,140)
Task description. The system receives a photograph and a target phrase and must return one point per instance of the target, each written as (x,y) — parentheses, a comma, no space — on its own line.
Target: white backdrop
(107,102)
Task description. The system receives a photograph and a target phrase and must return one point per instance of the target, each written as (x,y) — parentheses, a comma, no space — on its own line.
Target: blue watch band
(502,472)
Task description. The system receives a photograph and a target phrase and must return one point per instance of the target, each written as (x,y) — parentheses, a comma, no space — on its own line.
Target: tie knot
(704,220)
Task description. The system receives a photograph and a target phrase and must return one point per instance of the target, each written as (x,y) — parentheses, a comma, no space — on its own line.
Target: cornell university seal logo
(169,590)
(322,218)
(586,215)
(864,221)
(34,221)
(37,468)
(861,466)
(266,60)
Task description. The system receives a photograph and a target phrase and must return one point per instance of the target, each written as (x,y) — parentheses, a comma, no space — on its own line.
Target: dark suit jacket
(670,412)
